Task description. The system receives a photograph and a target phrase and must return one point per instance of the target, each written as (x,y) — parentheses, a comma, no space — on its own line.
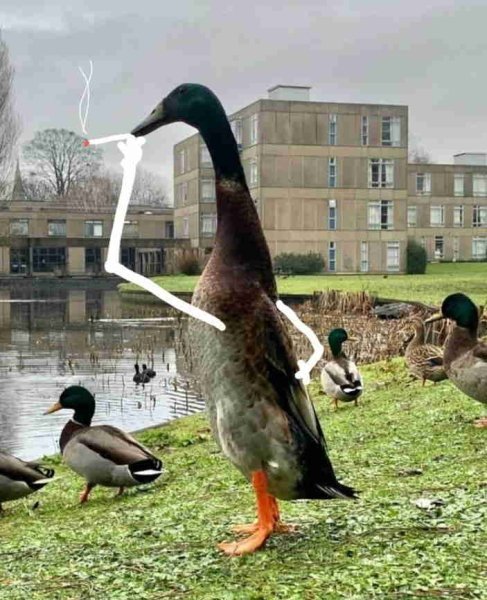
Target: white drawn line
(86,93)
(304,367)
(131,148)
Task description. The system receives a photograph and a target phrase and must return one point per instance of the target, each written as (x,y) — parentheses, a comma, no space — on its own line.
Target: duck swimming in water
(261,415)
(140,377)
(149,372)
(103,455)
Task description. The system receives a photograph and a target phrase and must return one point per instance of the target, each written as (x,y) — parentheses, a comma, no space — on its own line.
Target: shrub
(299,264)
(416,258)
(189,265)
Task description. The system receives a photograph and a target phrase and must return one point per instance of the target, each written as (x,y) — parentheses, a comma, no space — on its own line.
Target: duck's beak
(54,408)
(435,317)
(352,339)
(156,119)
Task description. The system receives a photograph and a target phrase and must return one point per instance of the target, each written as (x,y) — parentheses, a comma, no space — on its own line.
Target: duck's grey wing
(336,373)
(18,470)
(480,351)
(114,445)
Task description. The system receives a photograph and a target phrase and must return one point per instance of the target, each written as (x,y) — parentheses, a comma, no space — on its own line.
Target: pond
(53,335)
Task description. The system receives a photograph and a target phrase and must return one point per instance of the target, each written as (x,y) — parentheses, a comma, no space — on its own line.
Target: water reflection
(51,337)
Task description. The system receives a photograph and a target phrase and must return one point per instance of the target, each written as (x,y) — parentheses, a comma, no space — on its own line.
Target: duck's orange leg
(265,521)
(85,494)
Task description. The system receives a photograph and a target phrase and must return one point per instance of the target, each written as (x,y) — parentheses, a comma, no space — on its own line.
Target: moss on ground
(160,542)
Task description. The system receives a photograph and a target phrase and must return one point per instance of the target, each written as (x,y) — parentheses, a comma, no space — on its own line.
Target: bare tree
(59,159)
(417,153)
(97,193)
(9,124)
(148,190)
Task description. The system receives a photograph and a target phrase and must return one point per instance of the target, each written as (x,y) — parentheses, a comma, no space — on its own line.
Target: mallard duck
(103,455)
(140,377)
(149,372)
(261,415)
(425,361)
(464,355)
(19,478)
(340,378)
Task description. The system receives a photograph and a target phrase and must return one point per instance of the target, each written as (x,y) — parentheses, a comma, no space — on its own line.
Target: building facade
(329,178)
(55,238)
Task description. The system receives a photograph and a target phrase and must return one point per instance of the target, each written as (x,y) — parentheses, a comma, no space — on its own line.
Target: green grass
(160,543)
(439,281)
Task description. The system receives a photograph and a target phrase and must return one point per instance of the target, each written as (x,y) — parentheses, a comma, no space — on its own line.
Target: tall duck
(261,415)
(19,478)
(464,355)
(103,455)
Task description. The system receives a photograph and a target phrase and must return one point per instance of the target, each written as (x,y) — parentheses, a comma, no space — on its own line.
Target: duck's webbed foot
(85,494)
(481,423)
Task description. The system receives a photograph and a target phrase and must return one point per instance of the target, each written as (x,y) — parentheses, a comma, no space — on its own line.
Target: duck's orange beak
(435,317)
(54,408)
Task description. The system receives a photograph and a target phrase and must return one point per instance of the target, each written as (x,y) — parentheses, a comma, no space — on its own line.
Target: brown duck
(261,415)
(425,361)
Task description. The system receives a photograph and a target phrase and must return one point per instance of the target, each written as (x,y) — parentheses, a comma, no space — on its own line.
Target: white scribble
(86,93)
(304,367)
(131,148)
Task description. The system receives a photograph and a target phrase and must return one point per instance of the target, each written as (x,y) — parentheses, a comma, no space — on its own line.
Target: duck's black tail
(337,490)
(146,471)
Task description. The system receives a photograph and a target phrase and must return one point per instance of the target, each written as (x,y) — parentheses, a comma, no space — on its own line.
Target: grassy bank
(160,543)
(439,281)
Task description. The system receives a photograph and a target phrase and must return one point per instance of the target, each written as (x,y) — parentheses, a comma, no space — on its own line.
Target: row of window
(479,184)
(393,257)
(93,229)
(437,216)
(479,247)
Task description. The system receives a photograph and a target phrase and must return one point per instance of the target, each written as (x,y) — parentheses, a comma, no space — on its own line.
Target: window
(364,256)
(93,228)
(381,173)
(332,172)
(412,216)
(19,260)
(208,225)
(439,246)
(207,190)
(183,193)
(253,177)
(182,160)
(185,227)
(423,184)
(254,128)
(456,249)
(391,131)
(236,126)
(437,216)
(381,214)
(332,214)
(332,251)
(169,229)
(365,130)
(47,260)
(131,229)
(56,228)
(332,130)
(479,218)
(393,256)
(93,260)
(205,158)
(127,258)
(458,212)
(479,248)
(458,184)
(19,227)
(479,184)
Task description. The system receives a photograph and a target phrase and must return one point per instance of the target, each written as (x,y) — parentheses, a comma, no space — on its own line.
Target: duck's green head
(79,399)
(189,103)
(461,309)
(336,338)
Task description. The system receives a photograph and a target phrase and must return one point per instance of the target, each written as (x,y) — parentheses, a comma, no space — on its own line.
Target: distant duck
(149,372)
(19,478)
(424,361)
(140,377)
(103,455)
(464,355)
(340,378)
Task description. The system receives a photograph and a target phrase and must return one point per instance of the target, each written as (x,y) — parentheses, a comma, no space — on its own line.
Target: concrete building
(57,238)
(326,177)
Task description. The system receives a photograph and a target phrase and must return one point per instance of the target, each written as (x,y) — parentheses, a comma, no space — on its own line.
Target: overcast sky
(430,55)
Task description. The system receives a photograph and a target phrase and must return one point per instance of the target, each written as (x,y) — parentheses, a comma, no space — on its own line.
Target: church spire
(18,191)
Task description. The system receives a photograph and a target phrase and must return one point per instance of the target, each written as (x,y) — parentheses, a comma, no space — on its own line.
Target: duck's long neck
(68,431)
(240,241)
(460,340)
